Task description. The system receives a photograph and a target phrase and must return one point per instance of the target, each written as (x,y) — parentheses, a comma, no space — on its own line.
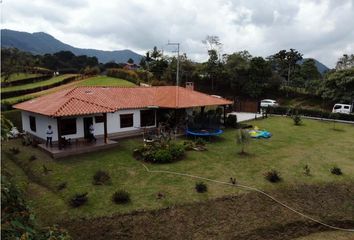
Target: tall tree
(339,86)
(345,62)
(285,63)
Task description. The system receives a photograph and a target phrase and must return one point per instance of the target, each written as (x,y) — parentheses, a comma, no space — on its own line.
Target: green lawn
(291,147)
(37,84)
(94,81)
(106,81)
(20,76)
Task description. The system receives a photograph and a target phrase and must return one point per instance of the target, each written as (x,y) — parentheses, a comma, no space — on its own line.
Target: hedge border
(36,89)
(289,111)
(26,81)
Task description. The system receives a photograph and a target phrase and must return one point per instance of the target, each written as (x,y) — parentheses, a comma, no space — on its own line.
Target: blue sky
(321,29)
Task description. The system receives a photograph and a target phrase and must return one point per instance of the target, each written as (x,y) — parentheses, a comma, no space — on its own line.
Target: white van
(342,108)
(269,103)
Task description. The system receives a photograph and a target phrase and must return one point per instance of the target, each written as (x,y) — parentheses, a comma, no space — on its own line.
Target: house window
(99,119)
(147,118)
(68,126)
(32,121)
(126,120)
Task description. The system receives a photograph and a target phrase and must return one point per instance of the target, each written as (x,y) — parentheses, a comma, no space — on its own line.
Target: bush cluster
(272,176)
(231,121)
(308,112)
(201,187)
(14,150)
(101,178)
(297,119)
(126,74)
(78,199)
(336,171)
(121,197)
(157,153)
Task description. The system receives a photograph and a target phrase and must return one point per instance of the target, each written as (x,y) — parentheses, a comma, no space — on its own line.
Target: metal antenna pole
(177,74)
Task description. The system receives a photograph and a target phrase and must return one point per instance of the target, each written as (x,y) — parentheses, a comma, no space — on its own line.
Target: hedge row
(126,74)
(26,80)
(308,112)
(15,93)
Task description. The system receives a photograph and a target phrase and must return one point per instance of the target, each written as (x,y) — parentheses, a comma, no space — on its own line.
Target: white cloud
(322,29)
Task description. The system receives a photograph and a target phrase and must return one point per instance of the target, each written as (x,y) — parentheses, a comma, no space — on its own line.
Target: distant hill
(320,66)
(41,43)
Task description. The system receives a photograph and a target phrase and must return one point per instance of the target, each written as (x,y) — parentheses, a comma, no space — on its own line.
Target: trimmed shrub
(160,153)
(297,119)
(336,171)
(272,176)
(177,151)
(308,112)
(121,197)
(163,156)
(201,187)
(101,178)
(307,170)
(231,121)
(14,150)
(78,200)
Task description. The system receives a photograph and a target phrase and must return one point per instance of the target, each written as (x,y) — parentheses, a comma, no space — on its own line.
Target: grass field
(20,76)
(94,81)
(288,151)
(106,81)
(37,84)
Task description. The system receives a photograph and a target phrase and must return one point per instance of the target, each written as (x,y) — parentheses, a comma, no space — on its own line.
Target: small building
(113,111)
(131,66)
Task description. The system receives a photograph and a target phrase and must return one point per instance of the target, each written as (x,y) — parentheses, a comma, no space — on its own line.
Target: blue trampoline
(204,132)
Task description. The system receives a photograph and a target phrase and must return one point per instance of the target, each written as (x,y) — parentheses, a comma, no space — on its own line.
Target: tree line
(237,74)
(243,75)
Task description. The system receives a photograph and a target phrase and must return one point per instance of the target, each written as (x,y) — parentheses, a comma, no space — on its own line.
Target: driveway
(245,116)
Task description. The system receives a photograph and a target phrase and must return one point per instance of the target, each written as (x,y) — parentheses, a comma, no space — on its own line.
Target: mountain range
(41,43)
(320,66)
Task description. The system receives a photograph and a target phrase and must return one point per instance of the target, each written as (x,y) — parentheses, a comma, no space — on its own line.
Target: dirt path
(247,216)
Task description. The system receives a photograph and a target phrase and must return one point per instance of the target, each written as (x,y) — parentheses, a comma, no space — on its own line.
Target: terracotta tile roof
(91,100)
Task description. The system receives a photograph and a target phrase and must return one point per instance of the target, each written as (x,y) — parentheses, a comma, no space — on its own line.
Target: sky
(320,29)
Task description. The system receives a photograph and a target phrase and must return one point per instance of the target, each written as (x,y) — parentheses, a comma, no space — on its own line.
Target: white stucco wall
(42,123)
(113,124)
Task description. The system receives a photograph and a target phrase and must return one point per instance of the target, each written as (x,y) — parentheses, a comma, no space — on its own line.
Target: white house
(112,110)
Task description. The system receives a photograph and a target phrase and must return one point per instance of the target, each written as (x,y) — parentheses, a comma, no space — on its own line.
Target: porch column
(105,127)
(59,132)
(224,115)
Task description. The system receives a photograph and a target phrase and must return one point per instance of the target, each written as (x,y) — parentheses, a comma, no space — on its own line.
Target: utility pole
(177,74)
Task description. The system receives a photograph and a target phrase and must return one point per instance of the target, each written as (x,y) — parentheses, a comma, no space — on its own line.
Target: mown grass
(106,81)
(94,81)
(288,151)
(37,84)
(20,76)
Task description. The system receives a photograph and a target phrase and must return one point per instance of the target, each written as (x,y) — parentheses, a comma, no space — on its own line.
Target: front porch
(77,147)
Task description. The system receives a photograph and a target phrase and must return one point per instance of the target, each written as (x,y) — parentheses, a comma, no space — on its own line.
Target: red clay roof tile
(90,100)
